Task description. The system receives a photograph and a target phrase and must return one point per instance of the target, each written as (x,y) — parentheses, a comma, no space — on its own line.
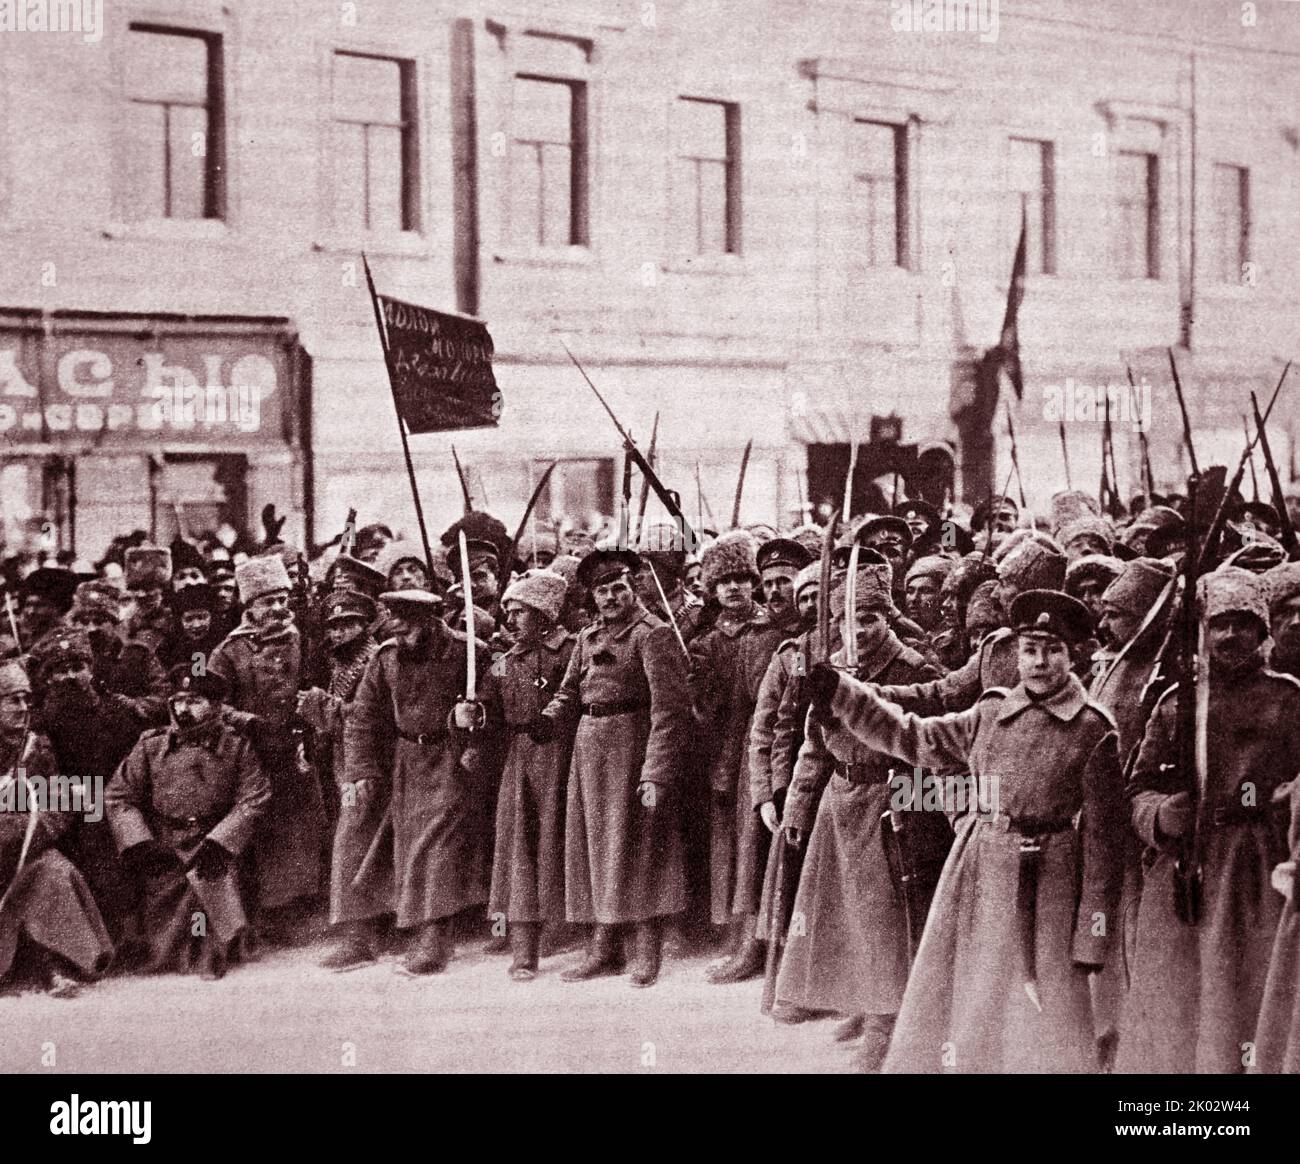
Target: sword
(824,593)
(851,610)
(1031,854)
(681,642)
(471,652)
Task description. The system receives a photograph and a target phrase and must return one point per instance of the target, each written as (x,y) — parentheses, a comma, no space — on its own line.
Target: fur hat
(1090,566)
(186,554)
(199,597)
(810,537)
(875,589)
(810,575)
(931,566)
(259,576)
(542,590)
(1283,584)
(566,566)
(1033,565)
(98,598)
(1232,590)
(663,545)
(1260,554)
(1068,507)
(478,527)
(398,551)
(13,678)
(983,605)
(61,645)
(147,567)
(1153,529)
(734,552)
(52,583)
(1088,524)
(1138,585)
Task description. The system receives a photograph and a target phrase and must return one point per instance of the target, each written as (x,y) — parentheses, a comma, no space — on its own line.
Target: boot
(851,1028)
(356,947)
(601,959)
(649,948)
(869,1056)
(524,939)
(748,960)
(430,953)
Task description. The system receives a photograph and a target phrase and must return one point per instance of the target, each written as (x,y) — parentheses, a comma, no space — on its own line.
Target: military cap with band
(412,603)
(783,552)
(604,563)
(209,684)
(1050,612)
(341,605)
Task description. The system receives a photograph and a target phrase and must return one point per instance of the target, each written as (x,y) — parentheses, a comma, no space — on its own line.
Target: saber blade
(471,661)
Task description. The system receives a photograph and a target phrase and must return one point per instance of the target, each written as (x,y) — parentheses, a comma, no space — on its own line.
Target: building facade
(791,222)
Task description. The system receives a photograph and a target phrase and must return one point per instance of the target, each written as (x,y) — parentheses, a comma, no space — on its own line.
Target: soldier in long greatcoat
(626,688)
(412,732)
(361,890)
(1196,989)
(183,806)
(262,660)
(44,900)
(528,865)
(1025,907)
(849,951)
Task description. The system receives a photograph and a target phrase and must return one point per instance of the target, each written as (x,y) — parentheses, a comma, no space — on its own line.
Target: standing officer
(627,689)
(183,806)
(528,867)
(1025,906)
(413,736)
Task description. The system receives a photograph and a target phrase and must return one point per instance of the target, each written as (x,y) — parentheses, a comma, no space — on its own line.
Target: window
(548,168)
(706,176)
(1031,180)
(375,163)
(880,193)
(1137,240)
(580,490)
(1231,222)
(174,148)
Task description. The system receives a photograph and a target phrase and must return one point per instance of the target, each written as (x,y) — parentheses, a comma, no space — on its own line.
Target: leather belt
(618,707)
(861,773)
(424,737)
(1029,826)
(188,822)
(1225,814)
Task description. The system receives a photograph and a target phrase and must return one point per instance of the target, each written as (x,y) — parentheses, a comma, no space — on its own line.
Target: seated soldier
(45,904)
(183,807)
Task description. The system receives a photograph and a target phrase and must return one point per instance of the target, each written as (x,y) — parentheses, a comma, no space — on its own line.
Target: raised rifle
(464,484)
(1287,528)
(740,483)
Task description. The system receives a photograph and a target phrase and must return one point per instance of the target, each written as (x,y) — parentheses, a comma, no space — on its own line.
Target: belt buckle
(1030,846)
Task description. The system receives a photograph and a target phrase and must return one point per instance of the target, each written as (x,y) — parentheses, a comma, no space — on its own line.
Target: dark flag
(1008,348)
(440,366)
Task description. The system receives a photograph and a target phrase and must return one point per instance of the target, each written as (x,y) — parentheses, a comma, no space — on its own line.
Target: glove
(211,860)
(823,681)
(770,816)
(1283,879)
(471,759)
(542,729)
(272,524)
(1174,816)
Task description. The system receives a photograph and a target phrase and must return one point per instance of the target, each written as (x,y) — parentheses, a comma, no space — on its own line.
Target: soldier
(1284,617)
(361,892)
(122,666)
(196,635)
(412,733)
(183,806)
(148,579)
(922,587)
(722,712)
(45,596)
(1086,579)
(1277,1034)
(1022,913)
(43,898)
(779,562)
(663,557)
(1196,988)
(850,953)
(626,686)
(90,732)
(528,866)
(261,659)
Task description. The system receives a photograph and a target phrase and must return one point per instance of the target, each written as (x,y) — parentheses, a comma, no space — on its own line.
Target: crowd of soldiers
(919,774)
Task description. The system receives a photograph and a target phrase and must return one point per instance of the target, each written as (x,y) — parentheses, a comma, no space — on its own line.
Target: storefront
(112,423)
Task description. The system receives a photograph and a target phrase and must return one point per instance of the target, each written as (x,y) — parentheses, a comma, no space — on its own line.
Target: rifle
(670,500)
(508,565)
(740,483)
(1288,535)
(1015,458)
(847,508)
(1182,409)
(1148,478)
(464,484)
(1065,452)
(1187,867)
(348,538)
(1254,477)
(645,485)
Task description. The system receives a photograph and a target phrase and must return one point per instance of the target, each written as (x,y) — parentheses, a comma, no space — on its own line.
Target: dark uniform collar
(1064,704)
(204,736)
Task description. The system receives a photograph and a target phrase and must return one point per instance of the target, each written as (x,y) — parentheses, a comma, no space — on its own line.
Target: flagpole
(401,424)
